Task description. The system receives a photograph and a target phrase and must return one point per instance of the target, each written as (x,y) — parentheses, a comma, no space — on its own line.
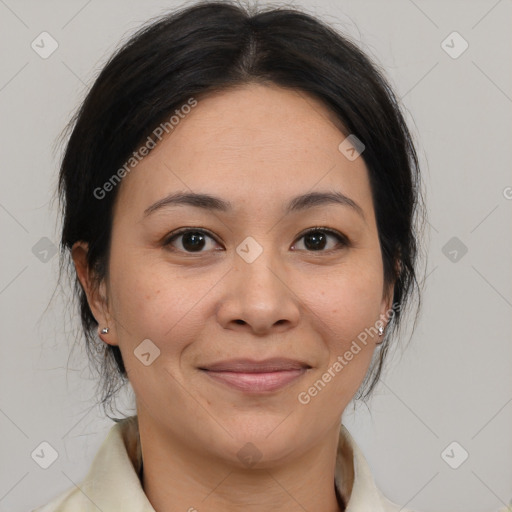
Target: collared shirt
(113,484)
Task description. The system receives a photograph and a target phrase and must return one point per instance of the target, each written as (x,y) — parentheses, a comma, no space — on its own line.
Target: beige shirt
(113,485)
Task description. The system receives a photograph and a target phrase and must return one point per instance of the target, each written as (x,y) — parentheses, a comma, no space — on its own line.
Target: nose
(258,297)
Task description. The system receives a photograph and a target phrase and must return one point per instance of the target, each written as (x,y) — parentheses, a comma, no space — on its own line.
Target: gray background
(451,383)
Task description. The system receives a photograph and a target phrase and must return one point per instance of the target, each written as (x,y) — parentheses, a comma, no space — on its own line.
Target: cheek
(148,302)
(149,307)
(151,301)
(346,310)
(344,313)
(350,300)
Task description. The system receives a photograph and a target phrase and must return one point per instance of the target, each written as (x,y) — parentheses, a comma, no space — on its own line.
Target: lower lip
(257,382)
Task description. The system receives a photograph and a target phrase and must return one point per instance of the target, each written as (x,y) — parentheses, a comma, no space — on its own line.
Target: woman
(239,192)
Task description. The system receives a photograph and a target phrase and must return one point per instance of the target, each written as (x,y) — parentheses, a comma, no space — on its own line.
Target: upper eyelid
(183,231)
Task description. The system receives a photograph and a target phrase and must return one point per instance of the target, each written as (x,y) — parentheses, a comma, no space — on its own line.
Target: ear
(96,294)
(387,296)
(387,302)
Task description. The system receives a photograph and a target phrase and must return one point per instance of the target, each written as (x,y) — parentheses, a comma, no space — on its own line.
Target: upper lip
(251,366)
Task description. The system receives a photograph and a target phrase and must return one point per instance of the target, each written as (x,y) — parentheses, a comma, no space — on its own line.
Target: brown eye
(192,240)
(195,240)
(317,239)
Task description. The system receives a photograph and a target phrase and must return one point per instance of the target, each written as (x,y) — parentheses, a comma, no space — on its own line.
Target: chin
(263,442)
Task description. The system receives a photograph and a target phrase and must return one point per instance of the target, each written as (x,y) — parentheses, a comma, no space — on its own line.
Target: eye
(315,239)
(192,239)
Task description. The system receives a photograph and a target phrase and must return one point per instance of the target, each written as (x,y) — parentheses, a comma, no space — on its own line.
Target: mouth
(256,376)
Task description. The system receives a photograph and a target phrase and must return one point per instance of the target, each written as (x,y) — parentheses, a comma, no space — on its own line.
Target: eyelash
(343,241)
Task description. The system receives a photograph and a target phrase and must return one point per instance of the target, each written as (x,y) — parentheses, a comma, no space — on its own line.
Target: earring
(381,330)
(105,330)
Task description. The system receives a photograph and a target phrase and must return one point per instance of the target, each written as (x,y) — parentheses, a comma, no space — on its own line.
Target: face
(262,278)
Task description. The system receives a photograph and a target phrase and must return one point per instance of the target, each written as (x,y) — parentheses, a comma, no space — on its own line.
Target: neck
(175,479)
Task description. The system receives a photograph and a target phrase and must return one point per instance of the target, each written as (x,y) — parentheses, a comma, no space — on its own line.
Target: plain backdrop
(446,394)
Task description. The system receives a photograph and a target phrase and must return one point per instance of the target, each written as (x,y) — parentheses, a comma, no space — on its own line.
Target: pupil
(316,236)
(194,238)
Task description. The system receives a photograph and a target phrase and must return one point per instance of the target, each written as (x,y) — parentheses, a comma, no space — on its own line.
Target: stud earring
(105,330)
(381,330)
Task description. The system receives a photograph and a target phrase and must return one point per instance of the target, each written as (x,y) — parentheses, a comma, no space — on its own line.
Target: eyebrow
(212,203)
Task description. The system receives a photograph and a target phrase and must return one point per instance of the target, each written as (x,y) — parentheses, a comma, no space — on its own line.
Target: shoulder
(355,479)
(58,503)
(389,506)
(112,477)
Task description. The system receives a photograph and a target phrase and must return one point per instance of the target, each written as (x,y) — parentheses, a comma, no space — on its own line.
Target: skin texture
(256,146)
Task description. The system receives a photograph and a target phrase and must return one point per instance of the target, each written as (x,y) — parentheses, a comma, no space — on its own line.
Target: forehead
(254,143)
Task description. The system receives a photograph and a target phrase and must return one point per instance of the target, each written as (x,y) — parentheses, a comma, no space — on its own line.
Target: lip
(275,364)
(256,376)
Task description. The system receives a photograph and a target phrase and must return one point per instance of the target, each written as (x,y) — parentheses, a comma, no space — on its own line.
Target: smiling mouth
(256,376)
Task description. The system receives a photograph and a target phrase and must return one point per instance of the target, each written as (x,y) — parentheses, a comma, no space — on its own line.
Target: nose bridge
(258,296)
(256,264)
